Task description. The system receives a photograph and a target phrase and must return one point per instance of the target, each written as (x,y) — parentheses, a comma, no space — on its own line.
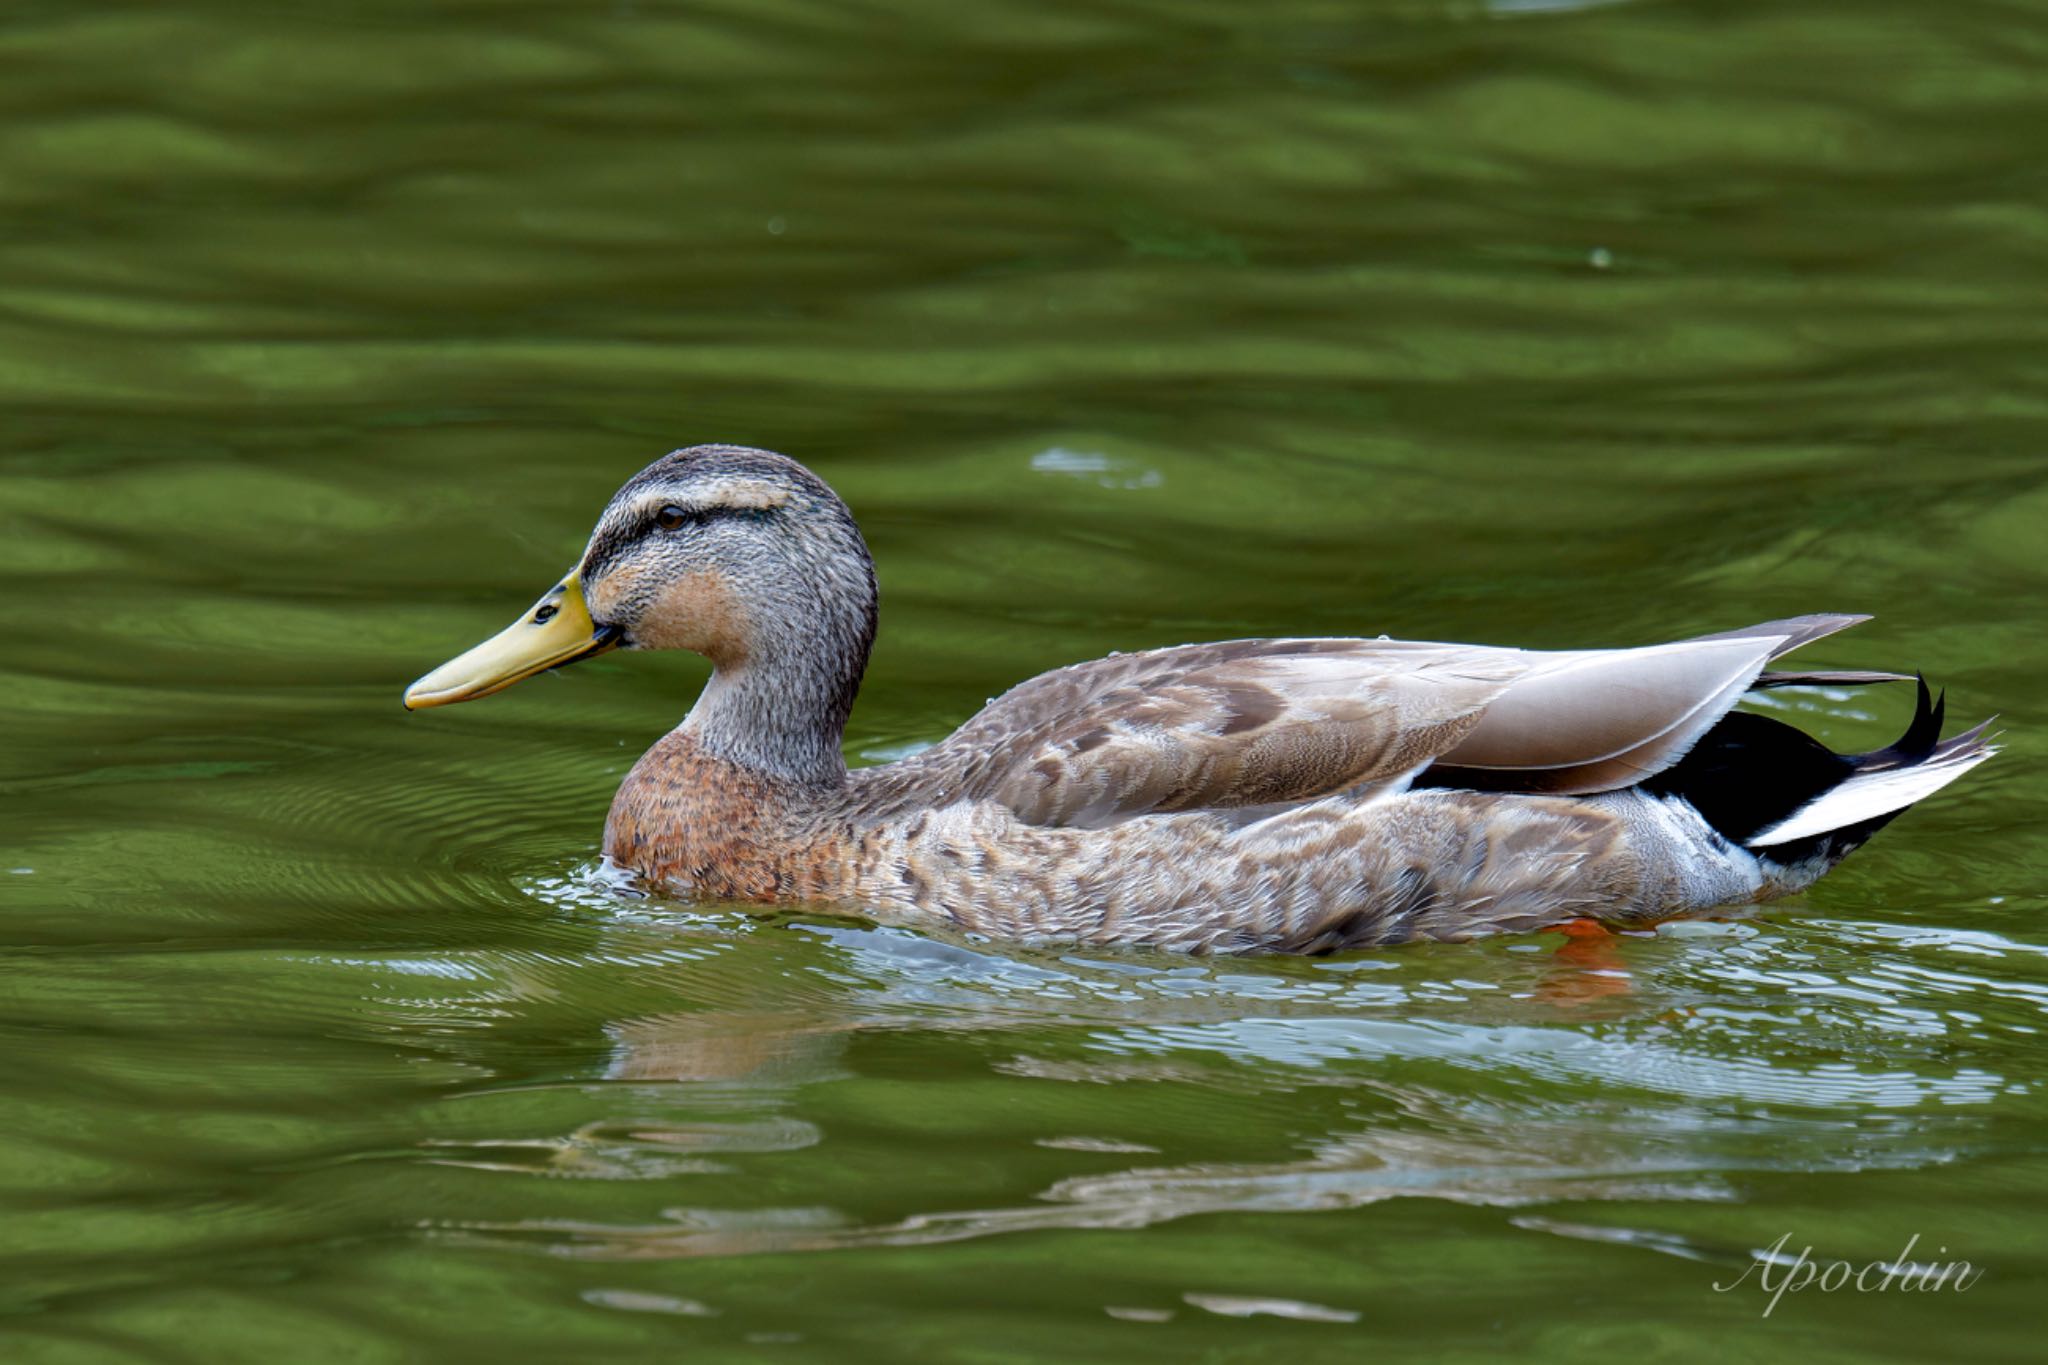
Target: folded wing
(1248,723)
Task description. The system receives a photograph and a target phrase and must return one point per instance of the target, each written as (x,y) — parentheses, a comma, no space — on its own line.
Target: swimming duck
(1295,795)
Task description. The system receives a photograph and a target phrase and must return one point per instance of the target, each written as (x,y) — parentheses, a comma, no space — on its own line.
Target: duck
(1258,795)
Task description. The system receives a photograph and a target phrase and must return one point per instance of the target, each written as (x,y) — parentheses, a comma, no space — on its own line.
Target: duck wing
(1251,723)
(1586,721)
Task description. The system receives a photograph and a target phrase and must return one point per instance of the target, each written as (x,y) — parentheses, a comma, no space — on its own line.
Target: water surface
(323,338)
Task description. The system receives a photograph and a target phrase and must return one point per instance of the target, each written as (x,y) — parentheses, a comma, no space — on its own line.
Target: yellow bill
(556,631)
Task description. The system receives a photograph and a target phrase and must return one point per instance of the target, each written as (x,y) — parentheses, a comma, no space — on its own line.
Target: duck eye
(671,518)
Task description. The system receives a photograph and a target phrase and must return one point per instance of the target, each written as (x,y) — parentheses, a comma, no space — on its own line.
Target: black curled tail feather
(1923,732)
(1750,776)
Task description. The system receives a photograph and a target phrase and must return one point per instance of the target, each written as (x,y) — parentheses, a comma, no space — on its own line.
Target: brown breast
(700,825)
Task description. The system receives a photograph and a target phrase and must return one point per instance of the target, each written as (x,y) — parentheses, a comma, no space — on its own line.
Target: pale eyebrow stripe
(743,494)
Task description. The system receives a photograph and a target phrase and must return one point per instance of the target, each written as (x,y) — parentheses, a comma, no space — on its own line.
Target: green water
(323,339)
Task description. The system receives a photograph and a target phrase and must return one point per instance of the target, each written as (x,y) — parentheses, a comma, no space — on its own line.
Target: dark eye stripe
(673,518)
(614,543)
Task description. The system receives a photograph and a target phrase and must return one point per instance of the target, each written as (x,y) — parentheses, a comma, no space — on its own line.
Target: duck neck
(780,709)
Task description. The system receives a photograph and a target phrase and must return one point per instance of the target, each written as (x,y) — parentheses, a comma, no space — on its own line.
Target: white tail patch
(1869,795)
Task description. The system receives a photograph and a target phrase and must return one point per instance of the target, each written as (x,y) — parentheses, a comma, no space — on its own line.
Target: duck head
(741,555)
